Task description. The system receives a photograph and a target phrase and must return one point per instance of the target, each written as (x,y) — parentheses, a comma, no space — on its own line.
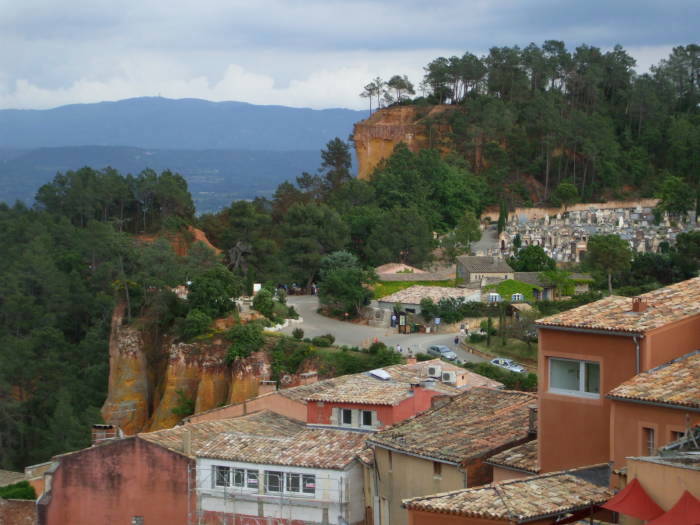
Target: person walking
(398,349)
(456,340)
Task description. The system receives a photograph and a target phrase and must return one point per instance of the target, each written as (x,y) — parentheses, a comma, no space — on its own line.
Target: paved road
(352,334)
(488,241)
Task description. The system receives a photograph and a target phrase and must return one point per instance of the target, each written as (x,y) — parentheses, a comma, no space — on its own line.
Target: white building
(276,467)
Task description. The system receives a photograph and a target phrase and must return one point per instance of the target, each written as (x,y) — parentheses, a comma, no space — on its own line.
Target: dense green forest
(582,116)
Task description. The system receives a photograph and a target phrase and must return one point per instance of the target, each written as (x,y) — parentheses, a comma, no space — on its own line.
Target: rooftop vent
(639,304)
(101,433)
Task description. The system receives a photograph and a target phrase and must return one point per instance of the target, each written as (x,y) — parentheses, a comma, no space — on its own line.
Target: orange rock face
(376,137)
(144,386)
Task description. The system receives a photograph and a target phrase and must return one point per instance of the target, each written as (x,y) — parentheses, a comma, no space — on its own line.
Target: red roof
(634,501)
(686,511)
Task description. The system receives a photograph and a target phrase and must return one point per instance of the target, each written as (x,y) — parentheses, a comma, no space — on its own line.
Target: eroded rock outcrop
(148,381)
(419,127)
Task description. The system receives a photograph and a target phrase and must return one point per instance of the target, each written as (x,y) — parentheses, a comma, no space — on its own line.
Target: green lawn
(384,288)
(514,349)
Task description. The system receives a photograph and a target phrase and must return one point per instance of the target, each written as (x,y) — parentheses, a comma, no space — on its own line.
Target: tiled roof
(530,278)
(7,477)
(414,294)
(366,456)
(484,264)
(522,457)
(673,383)
(311,447)
(397,268)
(470,425)
(665,305)
(262,423)
(524,499)
(364,388)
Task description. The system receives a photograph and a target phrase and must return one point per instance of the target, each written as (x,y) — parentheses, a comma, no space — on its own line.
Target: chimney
(532,421)
(411,360)
(639,305)
(102,433)
(308,378)
(187,442)
(265,387)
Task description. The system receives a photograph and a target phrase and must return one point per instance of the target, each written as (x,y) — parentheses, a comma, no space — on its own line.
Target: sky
(301,53)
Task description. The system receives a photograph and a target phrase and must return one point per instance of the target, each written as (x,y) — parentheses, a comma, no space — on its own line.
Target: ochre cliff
(419,127)
(147,381)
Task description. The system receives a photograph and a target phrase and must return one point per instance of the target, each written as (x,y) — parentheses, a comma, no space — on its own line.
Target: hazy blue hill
(215,177)
(154,122)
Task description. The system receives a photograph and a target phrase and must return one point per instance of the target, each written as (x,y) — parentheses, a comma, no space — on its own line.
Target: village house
(444,448)
(367,401)
(474,268)
(555,498)
(543,290)
(409,298)
(664,488)
(275,467)
(587,352)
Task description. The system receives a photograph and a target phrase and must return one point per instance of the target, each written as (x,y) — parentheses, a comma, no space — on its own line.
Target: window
(293,483)
(222,476)
(239,477)
(273,481)
(648,441)
(346,416)
(252,479)
(137,520)
(366,418)
(437,469)
(309,483)
(676,435)
(568,376)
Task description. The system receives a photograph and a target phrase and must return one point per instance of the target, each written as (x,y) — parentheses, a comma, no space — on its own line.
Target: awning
(634,501)
(686,511)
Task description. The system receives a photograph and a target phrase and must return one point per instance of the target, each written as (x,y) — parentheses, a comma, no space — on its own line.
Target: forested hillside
(582,116)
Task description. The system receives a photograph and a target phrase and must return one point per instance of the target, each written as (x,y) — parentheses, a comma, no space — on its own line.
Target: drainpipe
(636,347)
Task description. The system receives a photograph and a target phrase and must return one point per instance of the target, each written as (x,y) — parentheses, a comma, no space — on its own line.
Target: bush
(298,334)
(245,339)
(196,323)
(264,303)
(420,356)
(288,355)
(377,347)
(330,337)
(484,326)
(511,380)
(476,338)
(21,490)
(292,313)
(184,406)
(321,341)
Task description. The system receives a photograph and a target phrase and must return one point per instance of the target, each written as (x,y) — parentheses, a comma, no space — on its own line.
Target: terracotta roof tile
(521,499)
(470,425)
(312,447)
(673,383)
(263,423)
(665,305)
(414,294)
(522,457)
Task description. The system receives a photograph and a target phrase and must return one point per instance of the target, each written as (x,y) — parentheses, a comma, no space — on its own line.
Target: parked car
(508,364)
(442,351)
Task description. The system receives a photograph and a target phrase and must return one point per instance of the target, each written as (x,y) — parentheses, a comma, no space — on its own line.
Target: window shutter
(375,420)
(356,418)
(335,416)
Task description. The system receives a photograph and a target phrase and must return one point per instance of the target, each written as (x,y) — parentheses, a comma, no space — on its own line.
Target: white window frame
(270,474)
(310,492)
(223,469)
(287,477)
(581,392)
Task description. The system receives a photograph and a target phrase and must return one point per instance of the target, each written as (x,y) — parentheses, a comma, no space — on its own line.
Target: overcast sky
(304,53)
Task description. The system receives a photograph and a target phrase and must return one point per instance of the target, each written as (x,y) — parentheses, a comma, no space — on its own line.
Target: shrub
(288,355)
(321,341)
(377,347)
(21,490)
(330,337)
(420,356)
(196,323)
(298,334)
(476,338)
(264,303)
(292,313)
(511,380)
(184,406)
(245,339)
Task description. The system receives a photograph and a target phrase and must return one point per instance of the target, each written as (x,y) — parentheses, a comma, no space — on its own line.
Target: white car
(508,365)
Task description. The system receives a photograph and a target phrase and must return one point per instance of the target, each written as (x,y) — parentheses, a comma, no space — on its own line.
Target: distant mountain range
(225,150)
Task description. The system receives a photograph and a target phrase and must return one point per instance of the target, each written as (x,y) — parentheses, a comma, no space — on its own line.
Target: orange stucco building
(587,352)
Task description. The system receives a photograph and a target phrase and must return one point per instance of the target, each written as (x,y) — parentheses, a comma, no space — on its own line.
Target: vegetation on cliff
(581,117)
